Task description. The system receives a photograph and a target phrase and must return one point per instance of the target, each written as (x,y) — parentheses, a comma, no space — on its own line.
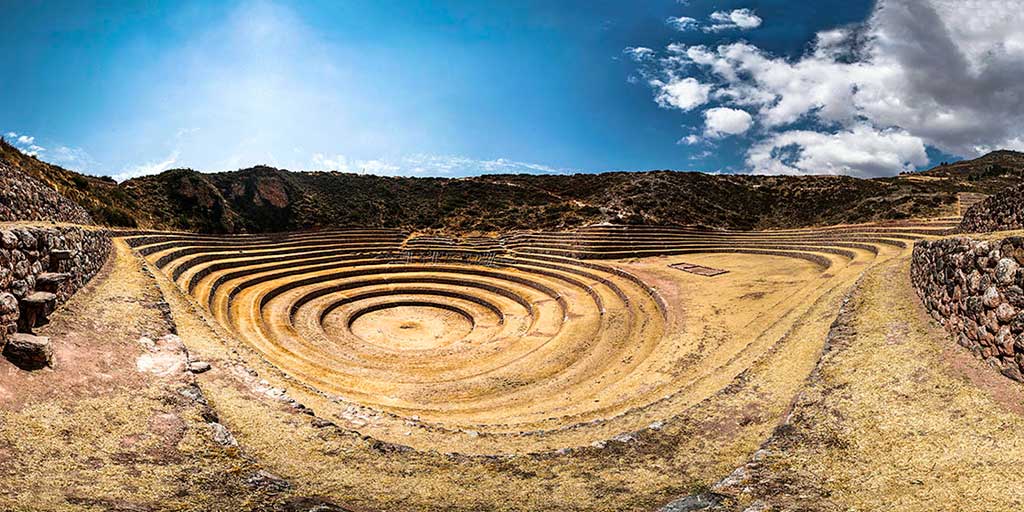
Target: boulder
(29,352)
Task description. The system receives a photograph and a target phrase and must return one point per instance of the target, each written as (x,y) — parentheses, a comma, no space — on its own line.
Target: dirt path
(115,425)
(898,418)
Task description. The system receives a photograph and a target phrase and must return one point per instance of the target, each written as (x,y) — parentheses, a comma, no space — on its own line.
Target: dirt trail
(113,426)
(898,418)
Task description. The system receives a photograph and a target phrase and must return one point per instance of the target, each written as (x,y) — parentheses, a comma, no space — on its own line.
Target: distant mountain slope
(987,174)
(264,199)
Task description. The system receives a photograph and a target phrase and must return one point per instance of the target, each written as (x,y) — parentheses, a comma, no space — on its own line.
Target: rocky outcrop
(40,268)
(24,198)
(1000,212)
(975,288)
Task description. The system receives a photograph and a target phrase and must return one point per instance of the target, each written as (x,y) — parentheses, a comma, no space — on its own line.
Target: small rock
(1005,312)
(991,297)
(8,304)
(692,503)
(625,437)
(268,481)
(8,240)
(1013,372)
(222,436)
(1006,271)
(198,366)
(192,392)
(29,352)
(321,423)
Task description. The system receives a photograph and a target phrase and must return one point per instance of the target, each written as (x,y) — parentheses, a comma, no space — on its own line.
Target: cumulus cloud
(860,151)
(721,121)
(743,19)
(681,93)
(944,74)
(25,143)
(682,23)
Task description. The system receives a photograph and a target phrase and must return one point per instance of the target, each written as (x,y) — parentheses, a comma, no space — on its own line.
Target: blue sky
(457,88)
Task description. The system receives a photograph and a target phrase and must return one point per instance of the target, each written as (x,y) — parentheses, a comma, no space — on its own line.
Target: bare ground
(897,417)
(104,429)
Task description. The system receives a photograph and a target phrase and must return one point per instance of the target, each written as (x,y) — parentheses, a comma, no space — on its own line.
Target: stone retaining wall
(1003,211)
(71,254)
(975,288)
(24,198)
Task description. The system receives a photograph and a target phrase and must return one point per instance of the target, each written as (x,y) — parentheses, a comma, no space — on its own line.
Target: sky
(457,88)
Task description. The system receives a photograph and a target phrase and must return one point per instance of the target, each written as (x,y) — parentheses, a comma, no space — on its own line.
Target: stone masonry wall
(975,288)
(68,254)
(1003,211)
(24,198)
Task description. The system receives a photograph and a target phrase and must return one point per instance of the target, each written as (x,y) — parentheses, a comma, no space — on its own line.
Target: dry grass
(95,434)
(900,418)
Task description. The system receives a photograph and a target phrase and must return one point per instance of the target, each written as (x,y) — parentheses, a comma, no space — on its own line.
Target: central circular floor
(411,326)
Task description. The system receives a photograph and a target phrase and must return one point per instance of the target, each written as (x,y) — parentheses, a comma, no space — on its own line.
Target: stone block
(29,352)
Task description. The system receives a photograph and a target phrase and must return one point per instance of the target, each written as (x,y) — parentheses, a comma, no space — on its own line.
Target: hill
(266,199)
(105,201)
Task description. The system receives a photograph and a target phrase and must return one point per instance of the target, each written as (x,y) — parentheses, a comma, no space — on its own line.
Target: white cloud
(74,158)
(335,163)
(691,139)
(743,19)
(429,164)
(149,168)
(721,121)
(682,23)
(25,143)
(684,94)
(861,151)
(639,53)
(377,167)
(944,74)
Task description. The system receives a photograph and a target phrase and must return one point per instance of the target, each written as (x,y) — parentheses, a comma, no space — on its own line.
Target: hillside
(105,201)
(986,174)
(266,199)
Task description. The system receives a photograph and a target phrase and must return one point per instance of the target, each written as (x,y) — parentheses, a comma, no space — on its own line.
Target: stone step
(35,307)
(39,298)
(28,351)
(61,254)
(51,281)
(57,256)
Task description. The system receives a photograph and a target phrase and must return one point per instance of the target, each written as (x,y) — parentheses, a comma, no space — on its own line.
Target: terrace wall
(975,288)
(26,252)
(1003,211)
(24,198)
